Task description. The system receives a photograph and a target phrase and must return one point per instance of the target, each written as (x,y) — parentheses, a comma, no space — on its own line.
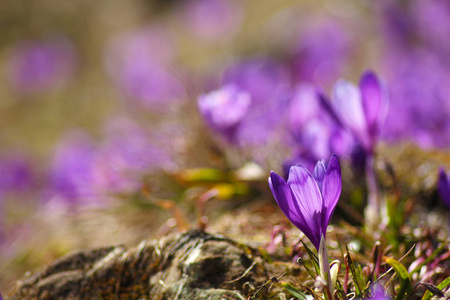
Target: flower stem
(373,208)
(325,268)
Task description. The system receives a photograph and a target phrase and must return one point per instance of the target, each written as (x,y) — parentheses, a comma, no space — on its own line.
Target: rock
(193,265)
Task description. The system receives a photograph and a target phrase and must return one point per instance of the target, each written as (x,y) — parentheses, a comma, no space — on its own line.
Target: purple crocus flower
(224,109)
(361,109)
(308,200)
(444,187)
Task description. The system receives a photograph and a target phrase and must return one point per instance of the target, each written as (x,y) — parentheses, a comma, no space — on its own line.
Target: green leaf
(294,291)
(201,174)
(355,275)
(227,190)
(444,284)
(314,259)
(405,286)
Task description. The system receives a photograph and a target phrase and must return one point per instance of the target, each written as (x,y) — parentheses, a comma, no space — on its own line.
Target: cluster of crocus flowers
(308,201)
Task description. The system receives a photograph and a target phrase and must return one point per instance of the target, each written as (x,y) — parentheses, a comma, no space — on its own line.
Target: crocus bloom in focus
(444,187)
(308,200)
(361,109)
(224,109)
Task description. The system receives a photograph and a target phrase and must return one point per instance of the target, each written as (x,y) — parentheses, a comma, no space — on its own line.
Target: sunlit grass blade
(201,175)
(400,270)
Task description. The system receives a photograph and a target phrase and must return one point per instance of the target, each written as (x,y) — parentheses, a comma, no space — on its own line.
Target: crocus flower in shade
(308,200)
(361,109)
(444,187)
(37,65)
(224,109)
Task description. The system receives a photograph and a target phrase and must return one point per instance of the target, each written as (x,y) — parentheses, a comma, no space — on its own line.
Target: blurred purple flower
(72,171)
(140,64)
(395,25)
(315,131)
(260,76)
(213,19)
(379,293)
(126,155)
(224,109)
(267,83)
(432,20)
(362,109)
(420,108)
(417,70)
(38,65)
(322,51)
(444,187)
(308,200)
(15,173)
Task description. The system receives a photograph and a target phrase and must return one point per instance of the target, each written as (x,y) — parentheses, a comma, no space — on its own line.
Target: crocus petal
(346,101)
(289,206)
(309,200)
(444,187)
(283,196)
(331,187)
(305,189)
(374,101)
(319,172)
